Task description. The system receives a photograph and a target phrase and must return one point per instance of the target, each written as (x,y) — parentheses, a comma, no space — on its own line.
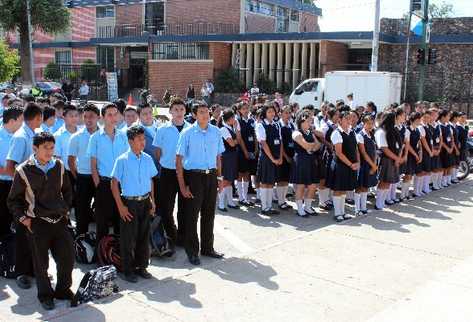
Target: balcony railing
(130,30)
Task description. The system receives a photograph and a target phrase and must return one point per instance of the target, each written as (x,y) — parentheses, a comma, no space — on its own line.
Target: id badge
(449,139)
(397,145)
(437,140)
(276,142)
(250,139)
(431,142)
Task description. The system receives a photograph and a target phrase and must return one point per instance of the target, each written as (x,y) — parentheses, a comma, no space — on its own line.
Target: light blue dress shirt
(45,128)
(134,173)
(57,125)
(199,148)
(105,151)
(21,145)
(5,139)
(61,148)
(78,148)
(167,137)
(45,168)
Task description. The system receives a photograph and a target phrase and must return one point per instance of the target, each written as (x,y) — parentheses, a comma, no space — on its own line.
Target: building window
(105,12)
(63,57)
(106,58)
(294,15)
(259,7)
(180,51)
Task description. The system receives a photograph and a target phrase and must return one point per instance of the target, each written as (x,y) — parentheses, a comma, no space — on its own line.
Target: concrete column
(312,62)
(264,58)
(288,64)
(249,65)
(234,54)
(280,67)
(272,61)
(305,46)
(242,61)
(256,62)
(296,65)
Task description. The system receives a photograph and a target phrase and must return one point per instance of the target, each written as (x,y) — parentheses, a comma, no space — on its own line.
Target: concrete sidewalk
(413,262)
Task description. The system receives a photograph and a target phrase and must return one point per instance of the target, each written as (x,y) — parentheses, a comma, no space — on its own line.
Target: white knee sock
(343,204)
(269,197)
(449,179)
(405,189)
(245,186)
(308,204)
(275,193)
(393,191)
(426,182)
(323,196)
(280,191)
(363,200)
(239,187)
(229,191)
(357,199)
(263,197)
(380,198)
(337,206)
(258,193)
(350,195)
(221,199)
(300,207)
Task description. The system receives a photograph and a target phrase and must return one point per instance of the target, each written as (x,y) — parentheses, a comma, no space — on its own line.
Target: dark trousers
(204,189)
(169,187)
(73,182)
(134,236)
(6,217)
(106,210)
(57,239)
(23,256)
(85,193)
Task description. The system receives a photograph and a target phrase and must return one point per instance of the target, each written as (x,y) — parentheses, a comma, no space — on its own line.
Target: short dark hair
(301,117)
(176,100)
(106,107)
(42,138)
(227,114)
(142,106)
(32,110)
(131,108)
(120,105)
(69,108)
(89,107)
(197,104)
(59,105)
(12,113)
(44,100)
(48,112)
(28,98)
(133,131)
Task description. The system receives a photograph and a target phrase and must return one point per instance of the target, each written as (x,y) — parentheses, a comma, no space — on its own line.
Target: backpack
(7,256)
(108,252)
(96,284)
(84,246)
(160,244)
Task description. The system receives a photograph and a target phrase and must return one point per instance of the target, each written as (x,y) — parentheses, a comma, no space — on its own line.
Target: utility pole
(375,51)
(424,45)
(30,44)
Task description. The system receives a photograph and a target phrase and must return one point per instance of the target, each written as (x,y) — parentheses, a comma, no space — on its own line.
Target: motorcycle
(466,166)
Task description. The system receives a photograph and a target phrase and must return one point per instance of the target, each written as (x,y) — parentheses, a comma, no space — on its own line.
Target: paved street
(413,262)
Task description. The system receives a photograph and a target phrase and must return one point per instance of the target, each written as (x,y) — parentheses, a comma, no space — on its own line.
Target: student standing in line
(446,154)
(414,159)
(59,107)
(304,168)
(268,135)
(79,165)
(246,153)
(284,170)
(105,146)
(456,151)
(437,172)
(405,134)
(463,130)
(132,188)
(165,142)
(427,151)
(49,119)
(367,176)
(345,165)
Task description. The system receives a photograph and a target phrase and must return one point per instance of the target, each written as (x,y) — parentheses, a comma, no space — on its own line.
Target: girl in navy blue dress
(462,129)
(427,151)
(271,153)
(368,167)
(229,160)
(456,151)
(304,170)
(287,127)
(246,153)
(345,165)
(436,165)
(391,197)
(446,153)
(414,158)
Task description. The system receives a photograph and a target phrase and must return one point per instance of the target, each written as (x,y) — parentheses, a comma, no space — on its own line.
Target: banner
(112,86)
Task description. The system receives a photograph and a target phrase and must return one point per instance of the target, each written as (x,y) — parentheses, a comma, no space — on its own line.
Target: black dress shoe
(23,281)
(233,207)
(143,273)
(194,260)
(48,304)
(212,254)
(65,295)
(130,277)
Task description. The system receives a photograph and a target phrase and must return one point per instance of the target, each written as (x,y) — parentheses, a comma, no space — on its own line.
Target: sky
(358,15)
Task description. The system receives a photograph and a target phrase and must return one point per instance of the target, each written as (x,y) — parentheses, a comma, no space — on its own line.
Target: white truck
(382,88)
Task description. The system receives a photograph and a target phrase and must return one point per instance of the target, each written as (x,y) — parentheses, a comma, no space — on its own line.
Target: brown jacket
(39,195)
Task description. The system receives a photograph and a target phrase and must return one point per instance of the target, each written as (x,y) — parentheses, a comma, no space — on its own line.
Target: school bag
(7,256)
(96,284)
(108,252)
(84,246)
(160,244)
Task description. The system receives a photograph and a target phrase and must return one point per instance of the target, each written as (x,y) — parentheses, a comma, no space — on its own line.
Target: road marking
(233,239)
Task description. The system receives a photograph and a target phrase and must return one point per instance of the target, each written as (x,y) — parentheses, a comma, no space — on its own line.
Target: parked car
(49,88)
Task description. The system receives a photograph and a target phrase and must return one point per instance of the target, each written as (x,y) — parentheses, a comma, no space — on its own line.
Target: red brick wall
(42,56)
(309,22)
(221,54)
(332,56)
(177,75)
(258,23)
(40,36)
(83,23)
(209,11)
(129,14)
(81,54)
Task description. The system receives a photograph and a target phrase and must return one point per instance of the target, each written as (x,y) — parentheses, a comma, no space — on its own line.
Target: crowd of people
(118,167)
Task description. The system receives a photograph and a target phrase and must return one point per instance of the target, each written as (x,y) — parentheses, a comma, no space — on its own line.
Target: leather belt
(208,171)
(138,198)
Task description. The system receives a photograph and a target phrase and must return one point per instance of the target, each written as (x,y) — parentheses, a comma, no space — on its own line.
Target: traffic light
(416,5)
(432,56)
(420,56)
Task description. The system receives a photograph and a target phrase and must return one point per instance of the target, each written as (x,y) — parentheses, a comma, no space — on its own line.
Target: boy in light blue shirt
(133,172)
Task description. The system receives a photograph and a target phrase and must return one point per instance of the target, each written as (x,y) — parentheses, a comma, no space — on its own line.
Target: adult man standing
(84,91)
(198,166)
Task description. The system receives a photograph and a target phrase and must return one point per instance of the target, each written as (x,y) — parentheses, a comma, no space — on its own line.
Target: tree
(441,10)
(52,71)
(9,62)
(49,16)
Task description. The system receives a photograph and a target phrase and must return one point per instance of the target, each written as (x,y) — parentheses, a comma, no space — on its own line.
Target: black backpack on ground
(84,246)
(7,256)
(160,244)
(96,284)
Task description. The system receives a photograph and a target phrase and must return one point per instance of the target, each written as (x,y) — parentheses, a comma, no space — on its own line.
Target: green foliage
(441,10)
(89,70)
(228,81)
(9,62)
(73,76)
(269,87)
(52,71)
